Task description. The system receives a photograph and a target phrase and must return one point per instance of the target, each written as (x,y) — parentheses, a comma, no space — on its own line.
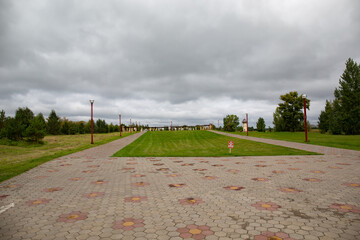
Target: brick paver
(89,195)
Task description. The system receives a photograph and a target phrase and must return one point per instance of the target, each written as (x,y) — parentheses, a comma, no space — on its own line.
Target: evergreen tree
(81,127)
(65,127)
(23,117)
(2,121)
(260,125)
(325,116)
(231,122)
(53,123)
(348,96)
(37,129)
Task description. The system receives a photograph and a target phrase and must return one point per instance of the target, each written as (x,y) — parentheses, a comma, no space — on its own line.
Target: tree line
(342,115)
(26,126)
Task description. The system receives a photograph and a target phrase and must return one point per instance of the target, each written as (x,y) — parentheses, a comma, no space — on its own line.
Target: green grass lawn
(316,138)
(17,159)
(198,144)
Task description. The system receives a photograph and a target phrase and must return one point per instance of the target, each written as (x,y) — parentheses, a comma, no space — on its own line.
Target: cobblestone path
(90,195)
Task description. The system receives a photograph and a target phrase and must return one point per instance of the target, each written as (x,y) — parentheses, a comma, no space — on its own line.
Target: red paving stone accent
(351,184)
(290,190)
(54,189)
(260,179)
(173,175)
(128,224)
(195,231)
(138,175)
(135,199)
(191,201)
(73,217)
(140,184)
(37,202)
(93,195)
(210,177)
(312,179)
(344,208)
(3,196)
(269,206)
(162,169)
(234,188)
(99,182)
(177,185)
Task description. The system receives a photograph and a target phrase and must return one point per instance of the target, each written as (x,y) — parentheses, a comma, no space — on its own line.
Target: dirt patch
(297,213)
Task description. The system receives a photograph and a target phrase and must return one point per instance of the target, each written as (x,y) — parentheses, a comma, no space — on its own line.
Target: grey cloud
(171,55)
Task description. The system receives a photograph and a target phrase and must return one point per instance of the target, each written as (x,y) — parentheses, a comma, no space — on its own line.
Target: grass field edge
(34,162)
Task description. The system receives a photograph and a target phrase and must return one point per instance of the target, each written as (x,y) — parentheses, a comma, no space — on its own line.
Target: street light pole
(120,123)
(92,122)
(305,123)
(247,125)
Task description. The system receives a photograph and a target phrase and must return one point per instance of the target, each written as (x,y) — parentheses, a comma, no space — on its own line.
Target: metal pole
(92,122)
(171,126)
(228,125)
(306,137)
(120,123)
(247,125)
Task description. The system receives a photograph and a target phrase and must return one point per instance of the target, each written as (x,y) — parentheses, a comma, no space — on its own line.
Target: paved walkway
(89,195)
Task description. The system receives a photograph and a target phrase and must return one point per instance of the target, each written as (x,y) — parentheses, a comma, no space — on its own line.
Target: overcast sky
(186,61)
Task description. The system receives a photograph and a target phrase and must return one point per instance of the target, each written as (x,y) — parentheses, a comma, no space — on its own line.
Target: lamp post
(247,125)
(305,121)
(92,122)
(120,123)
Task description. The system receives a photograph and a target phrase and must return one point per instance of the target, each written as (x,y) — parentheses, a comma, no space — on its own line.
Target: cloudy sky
(186,61)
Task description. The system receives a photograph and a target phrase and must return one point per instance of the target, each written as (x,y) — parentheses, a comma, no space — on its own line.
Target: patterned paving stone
(262,198)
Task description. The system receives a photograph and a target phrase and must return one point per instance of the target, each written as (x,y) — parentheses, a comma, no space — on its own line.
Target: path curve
(302,146)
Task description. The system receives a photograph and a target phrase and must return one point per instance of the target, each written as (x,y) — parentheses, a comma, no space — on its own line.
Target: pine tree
(53,123)
(36,131)
(348,96)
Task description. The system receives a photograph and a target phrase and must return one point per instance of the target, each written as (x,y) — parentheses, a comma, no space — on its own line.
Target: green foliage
(11,129)
(101,126)
(2,120)
(325,116)
(343,114)
(260,125)
(231,122)
(348,95)
(37,129)
(288,115)
(23,117)
(53,123)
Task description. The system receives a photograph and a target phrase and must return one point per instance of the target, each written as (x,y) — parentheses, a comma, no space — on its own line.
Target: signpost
(230,145)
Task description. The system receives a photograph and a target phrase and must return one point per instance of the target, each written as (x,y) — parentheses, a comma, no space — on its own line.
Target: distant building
(245,125)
